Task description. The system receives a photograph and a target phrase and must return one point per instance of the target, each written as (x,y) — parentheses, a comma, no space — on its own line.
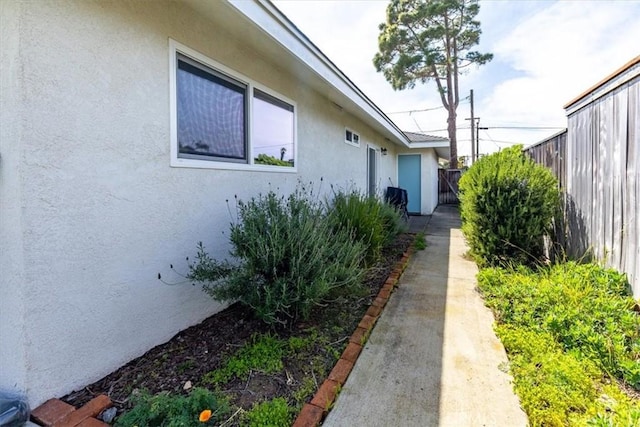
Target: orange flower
(205,415)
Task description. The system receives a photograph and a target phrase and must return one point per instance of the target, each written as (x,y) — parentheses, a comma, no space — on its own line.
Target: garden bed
(189,358)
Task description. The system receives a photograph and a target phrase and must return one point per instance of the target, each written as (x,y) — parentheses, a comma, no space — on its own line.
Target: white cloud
(562,50)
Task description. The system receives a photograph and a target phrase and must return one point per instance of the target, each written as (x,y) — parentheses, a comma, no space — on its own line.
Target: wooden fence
(597,161)
(448,186)
(552,153)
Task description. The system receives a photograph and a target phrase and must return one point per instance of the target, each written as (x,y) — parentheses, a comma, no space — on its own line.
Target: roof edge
(277,15)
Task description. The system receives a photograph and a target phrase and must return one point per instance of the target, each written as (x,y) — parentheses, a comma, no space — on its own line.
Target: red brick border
(56,413)
(313,413)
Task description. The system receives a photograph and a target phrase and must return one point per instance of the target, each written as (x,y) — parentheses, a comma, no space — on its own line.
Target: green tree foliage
(507,206)
(265,159)
(425,40)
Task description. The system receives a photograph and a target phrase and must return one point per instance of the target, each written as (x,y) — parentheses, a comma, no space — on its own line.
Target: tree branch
(441,90)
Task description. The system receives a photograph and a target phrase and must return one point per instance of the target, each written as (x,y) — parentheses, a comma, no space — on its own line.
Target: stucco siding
(92,210)
(430,179)
(12,303)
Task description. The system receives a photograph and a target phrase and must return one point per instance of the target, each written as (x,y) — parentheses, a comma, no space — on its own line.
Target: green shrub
(291,258)
(554,387)
(558,388)
(166,410)
(585,307)
(369,220)
(570,333)
(507,203)
(273,413)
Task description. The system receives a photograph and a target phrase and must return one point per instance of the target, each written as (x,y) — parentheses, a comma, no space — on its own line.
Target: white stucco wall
(429,181)
(91,210)
(12,301)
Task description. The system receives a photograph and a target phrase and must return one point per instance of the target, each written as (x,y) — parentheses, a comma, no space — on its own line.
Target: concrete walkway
(432,358)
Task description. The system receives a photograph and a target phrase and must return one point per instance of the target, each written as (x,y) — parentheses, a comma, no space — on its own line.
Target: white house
(125,125)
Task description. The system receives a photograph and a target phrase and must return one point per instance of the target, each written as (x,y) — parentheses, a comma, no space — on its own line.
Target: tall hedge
(507,206)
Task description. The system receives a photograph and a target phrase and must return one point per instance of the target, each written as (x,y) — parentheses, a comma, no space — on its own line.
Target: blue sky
(545,54)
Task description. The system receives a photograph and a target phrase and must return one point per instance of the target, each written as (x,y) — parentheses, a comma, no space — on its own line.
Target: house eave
(324,75)
(429,144)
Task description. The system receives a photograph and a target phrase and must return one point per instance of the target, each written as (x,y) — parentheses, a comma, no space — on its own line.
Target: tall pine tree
(424,40)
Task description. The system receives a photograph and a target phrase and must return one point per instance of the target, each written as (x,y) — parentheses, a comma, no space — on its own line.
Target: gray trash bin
(14,410)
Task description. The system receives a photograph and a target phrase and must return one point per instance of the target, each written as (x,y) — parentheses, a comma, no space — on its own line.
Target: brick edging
(313,413)
(56,413)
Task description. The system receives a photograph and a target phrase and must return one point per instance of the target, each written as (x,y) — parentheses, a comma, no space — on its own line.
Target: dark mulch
(202,348)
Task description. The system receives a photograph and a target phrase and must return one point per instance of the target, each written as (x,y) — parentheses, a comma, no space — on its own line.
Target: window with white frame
(351,137)
(221,119)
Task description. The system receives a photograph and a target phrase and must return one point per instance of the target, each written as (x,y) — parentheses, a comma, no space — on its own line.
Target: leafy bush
(553,386)
(290,256)
(507,206)
(369,220)
(273,413)
(585,307)
(166,410)
(567,329)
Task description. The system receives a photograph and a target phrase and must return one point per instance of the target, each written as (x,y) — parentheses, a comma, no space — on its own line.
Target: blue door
(409,179)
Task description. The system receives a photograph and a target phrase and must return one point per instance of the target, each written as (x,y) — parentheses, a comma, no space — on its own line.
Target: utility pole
(473,130)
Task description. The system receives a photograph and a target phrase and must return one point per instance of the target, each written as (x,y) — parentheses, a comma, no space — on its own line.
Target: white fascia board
(434,144)
(270,20)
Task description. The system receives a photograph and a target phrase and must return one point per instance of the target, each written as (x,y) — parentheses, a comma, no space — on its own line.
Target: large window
(221,119)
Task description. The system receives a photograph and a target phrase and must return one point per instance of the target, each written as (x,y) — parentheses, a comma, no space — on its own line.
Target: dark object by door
(398,197)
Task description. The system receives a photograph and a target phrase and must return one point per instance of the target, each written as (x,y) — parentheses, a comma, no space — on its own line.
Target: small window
(273,142)
(222,120)
(352,138)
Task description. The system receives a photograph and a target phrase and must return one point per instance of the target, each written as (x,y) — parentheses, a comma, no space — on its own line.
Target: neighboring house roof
(624,74)
(423,137)
(281,41)
(423,140)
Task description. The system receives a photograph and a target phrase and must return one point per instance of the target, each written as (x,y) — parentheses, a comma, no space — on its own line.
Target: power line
(427,109)
(445,130)
(526,127)
(416,122)
(417,111)
(496,141)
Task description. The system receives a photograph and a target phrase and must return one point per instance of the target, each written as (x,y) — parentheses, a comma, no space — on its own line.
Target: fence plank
(448,186)
(597,163)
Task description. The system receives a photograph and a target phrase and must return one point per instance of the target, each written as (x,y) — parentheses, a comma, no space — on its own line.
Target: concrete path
(432,358)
